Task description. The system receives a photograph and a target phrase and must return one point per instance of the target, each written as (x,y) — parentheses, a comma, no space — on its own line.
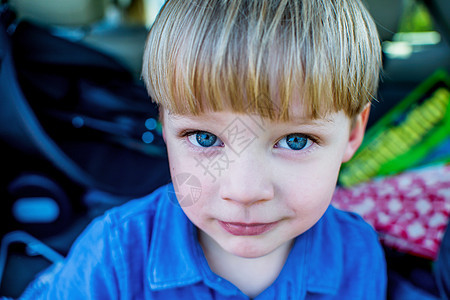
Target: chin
(247,250)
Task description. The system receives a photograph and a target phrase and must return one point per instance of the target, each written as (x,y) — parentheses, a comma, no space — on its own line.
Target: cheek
(185,171)
(183,161)
(309,205)
(315,176)
(199,211)
(309,188)
(179,162)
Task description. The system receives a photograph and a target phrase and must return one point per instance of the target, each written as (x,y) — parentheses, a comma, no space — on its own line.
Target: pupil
(296,142)
(206,139)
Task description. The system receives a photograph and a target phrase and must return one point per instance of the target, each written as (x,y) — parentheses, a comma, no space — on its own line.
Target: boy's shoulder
(135,209)
(344,248)
(347,230)
(135,218)
(114,245)
(350,223)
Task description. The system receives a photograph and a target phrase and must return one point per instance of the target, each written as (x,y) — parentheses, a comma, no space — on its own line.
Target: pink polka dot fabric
(410,210)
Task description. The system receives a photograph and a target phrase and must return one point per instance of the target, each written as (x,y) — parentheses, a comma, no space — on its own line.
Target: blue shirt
(148,249)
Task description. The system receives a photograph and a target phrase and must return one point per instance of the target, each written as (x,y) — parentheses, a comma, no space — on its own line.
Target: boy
(261,102)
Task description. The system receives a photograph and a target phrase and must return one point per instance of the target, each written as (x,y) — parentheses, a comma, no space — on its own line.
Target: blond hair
(262,56)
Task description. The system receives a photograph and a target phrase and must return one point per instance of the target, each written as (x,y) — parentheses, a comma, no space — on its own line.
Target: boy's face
(261,183)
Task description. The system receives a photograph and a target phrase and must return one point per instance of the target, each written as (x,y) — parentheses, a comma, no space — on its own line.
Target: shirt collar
(315,263)
(326,255)
(172,250)
(173,260)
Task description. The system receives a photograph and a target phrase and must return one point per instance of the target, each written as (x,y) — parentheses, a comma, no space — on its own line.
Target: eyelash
(186,133)
(310,138)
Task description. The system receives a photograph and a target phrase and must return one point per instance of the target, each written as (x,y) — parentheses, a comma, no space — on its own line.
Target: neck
(250,275)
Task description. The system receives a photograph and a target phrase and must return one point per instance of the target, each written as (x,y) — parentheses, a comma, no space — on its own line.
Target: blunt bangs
(263,57)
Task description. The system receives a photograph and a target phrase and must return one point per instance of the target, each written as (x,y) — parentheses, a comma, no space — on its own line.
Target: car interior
(79,134)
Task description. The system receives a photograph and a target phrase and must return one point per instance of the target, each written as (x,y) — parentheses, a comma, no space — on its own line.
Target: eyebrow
(310,121)
(295,120)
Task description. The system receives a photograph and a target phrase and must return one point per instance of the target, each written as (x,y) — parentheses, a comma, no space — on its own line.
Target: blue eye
(204,139)
(295,141)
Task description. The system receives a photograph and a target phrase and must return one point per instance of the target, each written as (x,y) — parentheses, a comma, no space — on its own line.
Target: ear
(356,133)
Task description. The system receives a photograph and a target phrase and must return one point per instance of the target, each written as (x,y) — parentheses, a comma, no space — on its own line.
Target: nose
(247,181)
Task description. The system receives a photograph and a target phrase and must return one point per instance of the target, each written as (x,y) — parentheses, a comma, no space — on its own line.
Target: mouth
(247,229)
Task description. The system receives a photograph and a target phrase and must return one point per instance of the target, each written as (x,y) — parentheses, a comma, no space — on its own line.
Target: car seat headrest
(62,13)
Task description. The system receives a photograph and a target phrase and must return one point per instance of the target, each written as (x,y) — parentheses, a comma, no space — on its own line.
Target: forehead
(222,118)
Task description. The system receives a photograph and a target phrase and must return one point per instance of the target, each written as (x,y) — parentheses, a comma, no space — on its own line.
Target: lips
(243,229)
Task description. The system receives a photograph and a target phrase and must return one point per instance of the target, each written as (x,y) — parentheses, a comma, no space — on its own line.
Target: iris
(296,141)
(205,139)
